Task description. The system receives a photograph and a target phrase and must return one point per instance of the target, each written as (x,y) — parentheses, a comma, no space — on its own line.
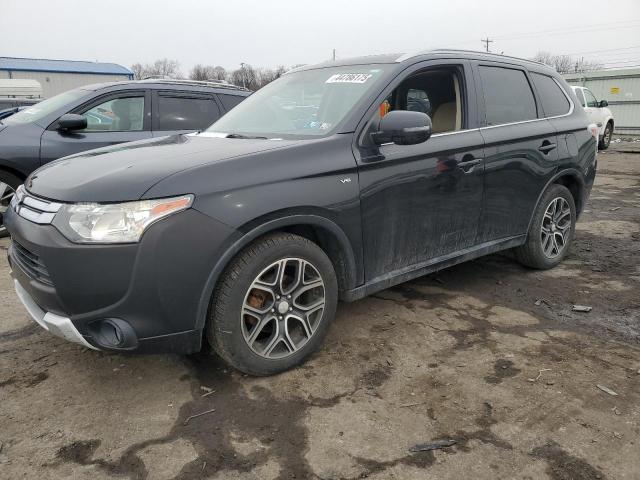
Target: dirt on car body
(487,353)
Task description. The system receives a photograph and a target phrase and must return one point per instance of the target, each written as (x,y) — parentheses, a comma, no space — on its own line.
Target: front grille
(34,209)
(30,263)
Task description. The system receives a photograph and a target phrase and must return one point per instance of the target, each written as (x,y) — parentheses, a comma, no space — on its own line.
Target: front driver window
(591,99)
(434,92)
(116,115)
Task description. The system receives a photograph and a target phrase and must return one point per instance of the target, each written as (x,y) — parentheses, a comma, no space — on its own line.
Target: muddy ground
(488,354)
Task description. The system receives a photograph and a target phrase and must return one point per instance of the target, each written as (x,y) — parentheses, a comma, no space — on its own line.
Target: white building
(57,76)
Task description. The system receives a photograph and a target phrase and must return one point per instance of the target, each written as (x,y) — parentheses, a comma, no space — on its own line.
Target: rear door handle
(467,165)
(547,147)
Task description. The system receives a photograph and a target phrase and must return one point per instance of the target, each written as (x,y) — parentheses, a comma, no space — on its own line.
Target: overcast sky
(268,33)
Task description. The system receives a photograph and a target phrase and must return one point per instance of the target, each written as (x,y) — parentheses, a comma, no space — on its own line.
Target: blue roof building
(57,76)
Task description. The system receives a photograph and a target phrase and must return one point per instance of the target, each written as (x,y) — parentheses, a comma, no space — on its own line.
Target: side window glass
(116,115)
(230,101)
(580,96)
(436,92)
(185,113)
(418,101)
(554,101)
(507,95)
(591,99)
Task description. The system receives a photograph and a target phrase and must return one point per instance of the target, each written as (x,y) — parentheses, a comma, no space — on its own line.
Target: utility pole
(243,82)
(486,41)
(334,54)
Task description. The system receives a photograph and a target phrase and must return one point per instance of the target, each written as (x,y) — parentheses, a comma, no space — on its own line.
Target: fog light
(113,333)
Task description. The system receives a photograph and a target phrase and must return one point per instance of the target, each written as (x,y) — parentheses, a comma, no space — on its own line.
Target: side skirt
(433,265)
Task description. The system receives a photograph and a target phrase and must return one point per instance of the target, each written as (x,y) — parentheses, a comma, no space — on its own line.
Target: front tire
(273,305)
(551,231)
(8,185)
(606,137)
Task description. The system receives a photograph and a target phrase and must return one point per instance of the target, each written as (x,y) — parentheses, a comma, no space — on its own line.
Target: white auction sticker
(349,78)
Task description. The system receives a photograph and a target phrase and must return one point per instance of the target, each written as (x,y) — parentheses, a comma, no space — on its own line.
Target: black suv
(334,181)
(105,114)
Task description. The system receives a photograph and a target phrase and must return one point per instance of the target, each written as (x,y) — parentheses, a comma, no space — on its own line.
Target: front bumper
(55,324)
(153,288)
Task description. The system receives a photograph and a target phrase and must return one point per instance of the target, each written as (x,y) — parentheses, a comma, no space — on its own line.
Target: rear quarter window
(508,97)
(554,101)
(230,101)
(185,112)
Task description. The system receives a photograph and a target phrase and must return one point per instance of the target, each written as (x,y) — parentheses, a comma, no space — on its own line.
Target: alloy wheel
(6,194)
(607,137)
(283,308)
(556,227)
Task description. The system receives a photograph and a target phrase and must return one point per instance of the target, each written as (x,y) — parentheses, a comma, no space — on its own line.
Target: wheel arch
(318,228)
(570,178)
(13,171)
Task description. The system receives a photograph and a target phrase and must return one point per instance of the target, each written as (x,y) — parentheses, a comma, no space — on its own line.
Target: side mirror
(72,121)
(604,103)
(403,127)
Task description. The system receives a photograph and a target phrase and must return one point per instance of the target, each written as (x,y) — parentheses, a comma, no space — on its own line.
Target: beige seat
(444,118)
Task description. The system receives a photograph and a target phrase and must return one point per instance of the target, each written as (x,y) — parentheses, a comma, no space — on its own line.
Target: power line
(604,50)
(558,31)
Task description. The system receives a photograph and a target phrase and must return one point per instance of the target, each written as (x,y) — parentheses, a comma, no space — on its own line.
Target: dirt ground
(488,354)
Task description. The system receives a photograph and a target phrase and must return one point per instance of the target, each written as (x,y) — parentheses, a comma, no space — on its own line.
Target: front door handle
(546,147)
(467,165)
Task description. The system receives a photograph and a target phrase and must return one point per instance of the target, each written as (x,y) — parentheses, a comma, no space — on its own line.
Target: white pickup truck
(598,113)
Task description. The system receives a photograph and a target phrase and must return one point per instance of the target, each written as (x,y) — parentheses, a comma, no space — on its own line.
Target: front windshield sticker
(349,78)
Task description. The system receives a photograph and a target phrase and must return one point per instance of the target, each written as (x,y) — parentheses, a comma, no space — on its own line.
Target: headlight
(117,222)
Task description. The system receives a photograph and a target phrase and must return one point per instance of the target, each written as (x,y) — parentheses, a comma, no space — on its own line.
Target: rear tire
(606,137)
(273,304)
(8,185)
(551,231)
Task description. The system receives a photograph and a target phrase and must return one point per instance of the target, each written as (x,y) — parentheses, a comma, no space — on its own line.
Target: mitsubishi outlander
(333,182)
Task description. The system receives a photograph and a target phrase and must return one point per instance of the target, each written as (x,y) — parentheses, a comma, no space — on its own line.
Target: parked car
(105,114)
(7,103)
(247,234)
(7,112)
(598,113)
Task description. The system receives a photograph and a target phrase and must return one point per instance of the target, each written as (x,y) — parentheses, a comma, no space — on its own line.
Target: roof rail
(475,52)
(202,83)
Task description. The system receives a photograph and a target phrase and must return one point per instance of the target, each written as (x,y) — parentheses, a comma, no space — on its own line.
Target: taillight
(593,129)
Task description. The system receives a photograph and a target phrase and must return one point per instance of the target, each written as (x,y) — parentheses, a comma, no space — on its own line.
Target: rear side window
(507,95)
(186,113)
(554,101)
(230,101)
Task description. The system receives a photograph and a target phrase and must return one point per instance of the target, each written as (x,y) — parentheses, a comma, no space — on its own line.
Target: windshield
(305,104)
(44,108)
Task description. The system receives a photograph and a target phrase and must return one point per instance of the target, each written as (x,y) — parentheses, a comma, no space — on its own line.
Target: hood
(124,172)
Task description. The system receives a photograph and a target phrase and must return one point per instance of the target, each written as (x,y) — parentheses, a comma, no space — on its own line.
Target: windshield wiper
(245,137)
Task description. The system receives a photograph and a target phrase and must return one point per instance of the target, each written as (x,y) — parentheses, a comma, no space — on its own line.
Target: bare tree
(138,71)
(164,68)
(201,72)
(219,73)
(566,63)
(267,75)
(245,76)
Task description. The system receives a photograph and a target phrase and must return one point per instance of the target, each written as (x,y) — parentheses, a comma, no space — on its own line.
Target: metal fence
(621,88)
